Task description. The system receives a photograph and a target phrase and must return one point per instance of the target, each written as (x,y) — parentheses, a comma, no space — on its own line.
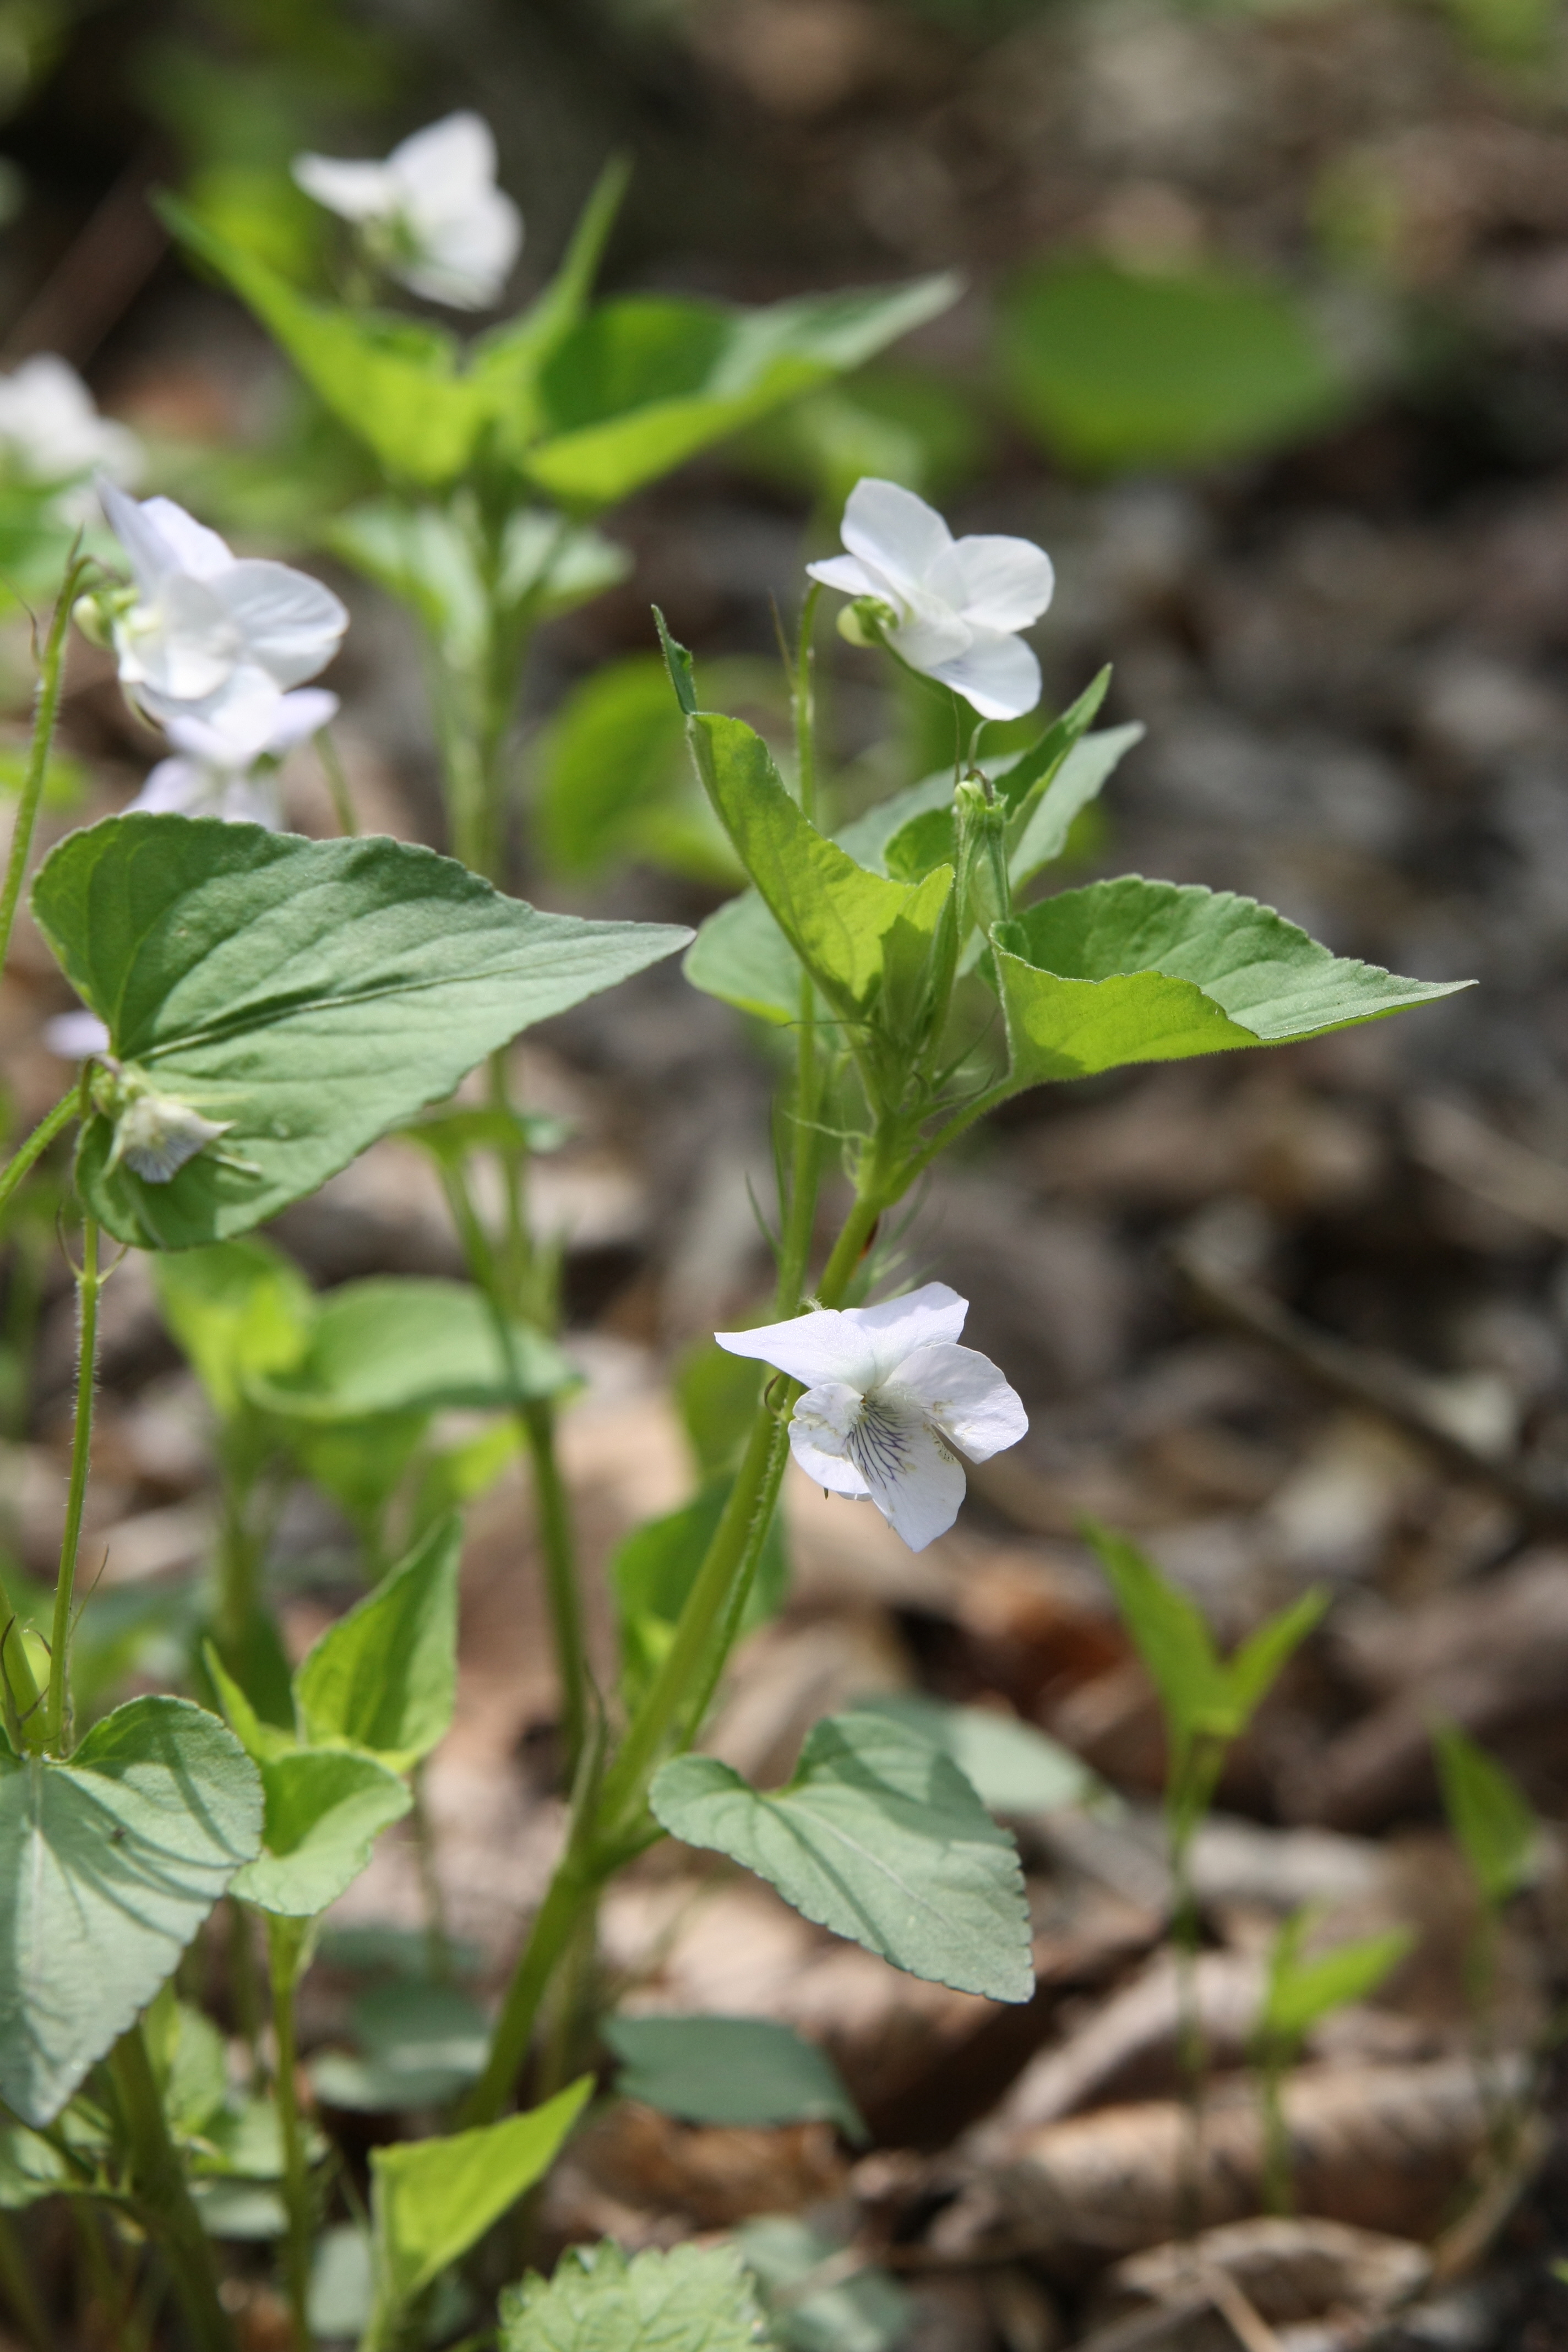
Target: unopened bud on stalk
(982,853)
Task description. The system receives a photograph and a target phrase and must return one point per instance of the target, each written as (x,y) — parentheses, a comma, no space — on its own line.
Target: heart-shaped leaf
(385,1677)
(108,1863)
(1155,971)
(880,1837)
(306,995)
(325,1808)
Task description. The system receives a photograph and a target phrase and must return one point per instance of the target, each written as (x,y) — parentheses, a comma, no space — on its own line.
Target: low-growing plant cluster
(258,1008)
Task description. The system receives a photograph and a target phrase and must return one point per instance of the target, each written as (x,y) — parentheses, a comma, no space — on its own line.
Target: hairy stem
(283,1956)
(51,680)
(605,1832)
(89,1284)
(158,2185)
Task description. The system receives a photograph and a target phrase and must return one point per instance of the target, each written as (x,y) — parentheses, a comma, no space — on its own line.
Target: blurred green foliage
(1113,369)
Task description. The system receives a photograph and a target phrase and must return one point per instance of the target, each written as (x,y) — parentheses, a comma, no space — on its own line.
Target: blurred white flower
(208,631)
(216,773)
(76,1037)
(956,605)
(50,431)
(431,215)
(890,1402)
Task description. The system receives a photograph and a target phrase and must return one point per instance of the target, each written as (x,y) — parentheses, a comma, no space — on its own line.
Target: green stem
(89,1284)
(337,783)
(438,1942)
(20,2289)
(160,2188)
(561,1578)
(244,1987)
(51,680)
(605,1834)
(1278,2182)
(282,1956)
(37,1143)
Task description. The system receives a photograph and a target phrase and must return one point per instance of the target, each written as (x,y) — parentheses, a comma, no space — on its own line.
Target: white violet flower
(50,431)
(890,1402)
(207,630)
(956,605)
(216,774)
(431,215)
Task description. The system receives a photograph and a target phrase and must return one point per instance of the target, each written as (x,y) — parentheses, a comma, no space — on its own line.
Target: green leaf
(857,934)
(360,1464)
(740,953)
(1300,1991)
(898,423)
(30,2168)
(108,1864)
(411,1343)
(238,1310)
(1155,971)
(1488,1814)
(434,559)
(643,383)
(260,1738)
(653,1571)
(324,1811)
(1169,1633)
(1202,1696)
(422,2044)
(1117,370)
(729,2070)
(879,1837)
(1081,779)
(717,1396)
(691,2299)
(385,1677)
(309,994)
(393,380)
(614,779)
(1011,1766)
(508,359)
(1025,780)
(431,2200)
(1254,1663)
(866,2312)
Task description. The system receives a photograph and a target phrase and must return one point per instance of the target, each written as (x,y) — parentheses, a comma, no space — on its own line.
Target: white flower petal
(965,1394)
(355,192)
(995,582)
(174,788)
(74,1035)
(927,1318)
(446,164)
(239,729)
(915,1482)
(185,544)
(465,261)
(998,674)
(845,573)
(894,531)
(932,642)
(290,624)
(819,1431)
(301,714)
(822,1347)
(182,646)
